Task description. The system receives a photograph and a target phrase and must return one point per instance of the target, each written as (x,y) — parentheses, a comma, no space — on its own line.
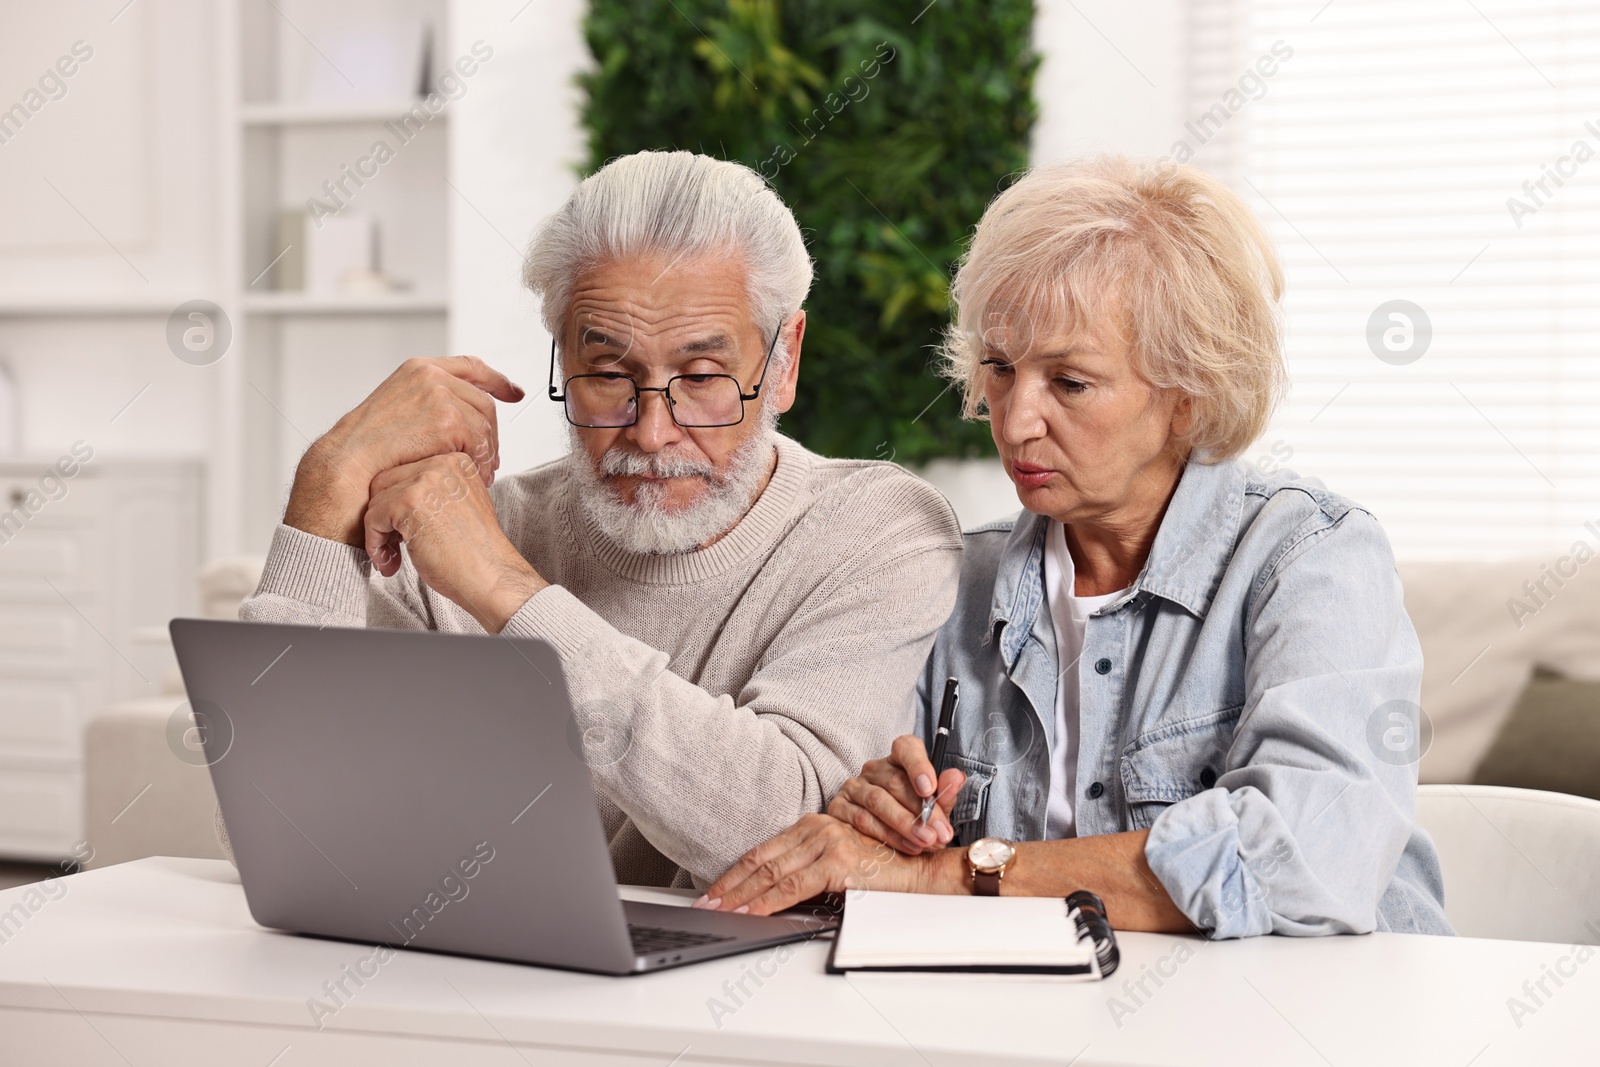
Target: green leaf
(901,132)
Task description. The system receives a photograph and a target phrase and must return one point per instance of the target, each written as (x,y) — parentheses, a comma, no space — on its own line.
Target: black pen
(947,714)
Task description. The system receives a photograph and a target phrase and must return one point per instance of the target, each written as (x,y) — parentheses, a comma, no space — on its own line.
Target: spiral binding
(1089,916)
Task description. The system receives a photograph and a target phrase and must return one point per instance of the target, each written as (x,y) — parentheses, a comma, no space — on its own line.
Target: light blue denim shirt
(1239,703)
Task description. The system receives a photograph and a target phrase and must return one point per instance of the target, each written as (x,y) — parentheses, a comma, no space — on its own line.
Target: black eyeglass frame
(664,390)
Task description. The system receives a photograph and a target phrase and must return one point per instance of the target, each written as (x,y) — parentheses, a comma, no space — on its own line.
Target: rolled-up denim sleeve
(1304,829)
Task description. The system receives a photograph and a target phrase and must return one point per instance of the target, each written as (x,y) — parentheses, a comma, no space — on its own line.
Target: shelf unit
(301,359)
(24,305)
(293,114)
(375,304)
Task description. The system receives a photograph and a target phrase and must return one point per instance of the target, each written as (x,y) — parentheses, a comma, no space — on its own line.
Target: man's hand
(820,854)
(427,407)
(885,800)
(440,508)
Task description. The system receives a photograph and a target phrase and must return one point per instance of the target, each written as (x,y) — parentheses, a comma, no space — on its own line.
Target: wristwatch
(989,858)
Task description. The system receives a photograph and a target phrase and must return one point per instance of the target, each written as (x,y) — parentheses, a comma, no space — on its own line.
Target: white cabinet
(85,563)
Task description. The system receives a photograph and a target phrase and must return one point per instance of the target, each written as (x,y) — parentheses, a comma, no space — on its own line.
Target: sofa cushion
(1483,626)
(141,797)
(1551,740)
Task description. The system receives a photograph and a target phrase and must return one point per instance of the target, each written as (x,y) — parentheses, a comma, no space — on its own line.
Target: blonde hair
(1163,254)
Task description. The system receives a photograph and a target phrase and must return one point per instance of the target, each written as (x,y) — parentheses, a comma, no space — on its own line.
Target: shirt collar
(1191,551)
(1019,584)
(1197,536)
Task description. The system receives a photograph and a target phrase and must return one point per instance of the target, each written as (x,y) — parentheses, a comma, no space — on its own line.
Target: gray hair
(679,204)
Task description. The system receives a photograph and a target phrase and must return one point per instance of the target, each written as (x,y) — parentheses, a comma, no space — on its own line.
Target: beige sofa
(146,749)
(1478,659)
(127,754)
(1479,652)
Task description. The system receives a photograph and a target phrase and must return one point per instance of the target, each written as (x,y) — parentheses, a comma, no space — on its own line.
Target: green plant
(886,132)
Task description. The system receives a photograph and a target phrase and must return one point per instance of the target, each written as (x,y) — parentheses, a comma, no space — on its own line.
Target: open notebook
(915,932)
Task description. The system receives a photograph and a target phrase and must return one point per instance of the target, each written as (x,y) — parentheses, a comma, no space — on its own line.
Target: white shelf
(377,304)
(328,114)
(61,305)
(52,305)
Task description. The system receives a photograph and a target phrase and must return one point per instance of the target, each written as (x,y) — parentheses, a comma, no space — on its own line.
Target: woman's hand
(818,854)
(884,801)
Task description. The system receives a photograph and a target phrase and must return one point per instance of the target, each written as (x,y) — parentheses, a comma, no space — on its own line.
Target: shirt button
(1208,778)
(1096,790)
(1102,666)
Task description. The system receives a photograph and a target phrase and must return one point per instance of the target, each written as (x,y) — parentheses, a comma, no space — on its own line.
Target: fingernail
(924,784)
(699,903)
(741,909)
(711,905)
(926,835)
(945,833)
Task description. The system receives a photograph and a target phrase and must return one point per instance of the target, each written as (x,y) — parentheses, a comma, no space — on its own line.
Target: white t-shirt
(1070,614)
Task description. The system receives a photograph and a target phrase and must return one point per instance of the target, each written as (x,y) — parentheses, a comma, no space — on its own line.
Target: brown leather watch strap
(986,883)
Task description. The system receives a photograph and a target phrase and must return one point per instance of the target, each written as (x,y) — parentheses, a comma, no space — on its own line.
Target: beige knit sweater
(727,691)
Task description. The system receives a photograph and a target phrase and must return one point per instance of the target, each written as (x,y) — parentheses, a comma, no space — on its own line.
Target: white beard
(647,526)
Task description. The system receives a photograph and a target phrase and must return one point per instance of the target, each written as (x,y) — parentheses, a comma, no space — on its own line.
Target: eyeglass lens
(697,400)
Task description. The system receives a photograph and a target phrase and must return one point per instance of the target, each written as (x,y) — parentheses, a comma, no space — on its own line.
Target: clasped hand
(413,463)
(872,837)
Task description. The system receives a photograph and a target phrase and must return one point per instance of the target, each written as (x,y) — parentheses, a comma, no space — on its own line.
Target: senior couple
(1167,662)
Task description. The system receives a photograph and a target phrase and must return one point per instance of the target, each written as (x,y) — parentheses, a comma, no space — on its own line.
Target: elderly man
(741,622)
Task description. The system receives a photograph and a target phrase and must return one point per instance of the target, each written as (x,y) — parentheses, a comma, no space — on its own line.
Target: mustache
(625,463)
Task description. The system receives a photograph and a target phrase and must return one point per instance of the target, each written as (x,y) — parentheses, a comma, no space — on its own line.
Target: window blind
(1430,171)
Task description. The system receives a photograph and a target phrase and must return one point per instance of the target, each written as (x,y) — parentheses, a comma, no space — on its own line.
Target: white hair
(679,204)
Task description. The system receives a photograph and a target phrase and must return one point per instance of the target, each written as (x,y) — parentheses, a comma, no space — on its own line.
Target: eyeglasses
(609,400)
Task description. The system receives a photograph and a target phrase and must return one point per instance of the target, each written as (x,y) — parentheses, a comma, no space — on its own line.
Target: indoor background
(227,221)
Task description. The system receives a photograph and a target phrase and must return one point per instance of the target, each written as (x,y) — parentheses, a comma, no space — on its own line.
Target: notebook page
(918,930)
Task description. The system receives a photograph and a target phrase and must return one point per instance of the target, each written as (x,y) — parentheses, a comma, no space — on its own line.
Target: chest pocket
(969,815)
(1174,762)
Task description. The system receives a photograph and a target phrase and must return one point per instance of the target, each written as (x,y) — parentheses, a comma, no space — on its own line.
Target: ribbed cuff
(553,614)
(314,570)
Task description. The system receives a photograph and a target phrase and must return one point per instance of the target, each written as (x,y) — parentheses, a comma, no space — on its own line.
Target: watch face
(990,853)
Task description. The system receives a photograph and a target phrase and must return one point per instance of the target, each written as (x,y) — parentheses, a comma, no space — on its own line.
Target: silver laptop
(427,790)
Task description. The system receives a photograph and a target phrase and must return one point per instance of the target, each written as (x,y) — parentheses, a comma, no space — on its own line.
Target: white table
(158,962)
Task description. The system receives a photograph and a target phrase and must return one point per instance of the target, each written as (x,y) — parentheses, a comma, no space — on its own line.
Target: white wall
(130,147)
(1112,77)
(515,147)
(131,152)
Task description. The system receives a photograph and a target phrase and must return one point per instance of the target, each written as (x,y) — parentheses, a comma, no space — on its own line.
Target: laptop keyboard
(648,940)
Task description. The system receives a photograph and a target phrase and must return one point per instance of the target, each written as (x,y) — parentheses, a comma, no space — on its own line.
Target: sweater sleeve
(312,581)
(706,777)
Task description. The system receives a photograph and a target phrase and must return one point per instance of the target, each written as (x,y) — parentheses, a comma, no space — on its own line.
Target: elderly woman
(1176,674)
